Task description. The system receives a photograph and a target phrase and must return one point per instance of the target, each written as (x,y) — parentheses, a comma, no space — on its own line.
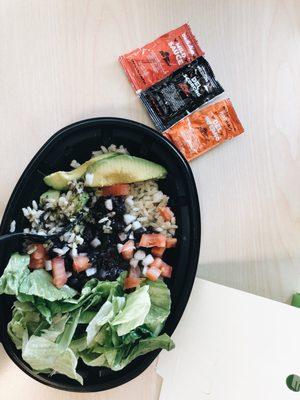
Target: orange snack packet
(151,63)
(204,129)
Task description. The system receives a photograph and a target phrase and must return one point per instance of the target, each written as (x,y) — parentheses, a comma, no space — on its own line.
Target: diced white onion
(133,262)
(95,242)
(136,225)
(139,255)
(122,236)
(144,271)
(48,265)
(108,204)
(119,247)
(129,202)
(102,220)
(131,236)
(128,218)
(69,274)
(148,260)
(128,227)
(91,271)
(74,252)
(89,179)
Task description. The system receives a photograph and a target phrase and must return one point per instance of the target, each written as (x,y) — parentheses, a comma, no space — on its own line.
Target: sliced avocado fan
(59,180)
(122,169)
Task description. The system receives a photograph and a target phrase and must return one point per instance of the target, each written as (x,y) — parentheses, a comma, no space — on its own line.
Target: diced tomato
(153,240)
(158,251)
(59,274)
(153,273)
(81,263)
(157,263)
(130,282)
(38,257)
(127,250)
(166,270)
(120,189)
(36,264)
(166,213)
(171,242)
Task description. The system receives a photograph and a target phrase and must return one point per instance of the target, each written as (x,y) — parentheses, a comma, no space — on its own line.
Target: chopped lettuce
(43,354)
(103,325)
(14,273)
(25,319)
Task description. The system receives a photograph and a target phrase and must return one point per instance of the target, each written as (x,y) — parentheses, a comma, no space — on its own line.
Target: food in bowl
(95,291)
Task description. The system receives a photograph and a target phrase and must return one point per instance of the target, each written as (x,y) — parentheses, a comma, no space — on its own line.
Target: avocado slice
(122,169)
(50,194)
(59,180)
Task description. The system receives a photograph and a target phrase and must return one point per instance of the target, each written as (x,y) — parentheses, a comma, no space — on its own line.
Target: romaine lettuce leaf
(43,354)
(56,328)
(118,358)
(160,306)
(51,349)
(39,283)
(133,314)
(14,273)
(104,315)
(25,318)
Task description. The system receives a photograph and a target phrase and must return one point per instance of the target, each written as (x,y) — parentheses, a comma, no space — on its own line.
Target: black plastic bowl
(77,141)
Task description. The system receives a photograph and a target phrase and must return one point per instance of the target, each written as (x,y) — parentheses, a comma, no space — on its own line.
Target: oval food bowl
(77,141)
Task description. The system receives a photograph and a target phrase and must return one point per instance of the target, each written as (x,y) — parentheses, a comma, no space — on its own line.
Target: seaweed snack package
(205,128)
(158,59)
(181,93)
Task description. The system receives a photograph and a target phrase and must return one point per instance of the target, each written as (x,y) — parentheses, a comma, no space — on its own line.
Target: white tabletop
(58,64)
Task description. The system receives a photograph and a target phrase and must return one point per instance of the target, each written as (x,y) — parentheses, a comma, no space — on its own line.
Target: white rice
(147,200)
(110,149)
(75,164)
(12,228)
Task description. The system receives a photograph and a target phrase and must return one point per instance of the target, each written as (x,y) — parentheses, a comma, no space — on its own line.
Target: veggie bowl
(90,308)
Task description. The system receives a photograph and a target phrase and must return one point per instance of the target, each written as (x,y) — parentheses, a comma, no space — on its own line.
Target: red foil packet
(204,129)
(156,60)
